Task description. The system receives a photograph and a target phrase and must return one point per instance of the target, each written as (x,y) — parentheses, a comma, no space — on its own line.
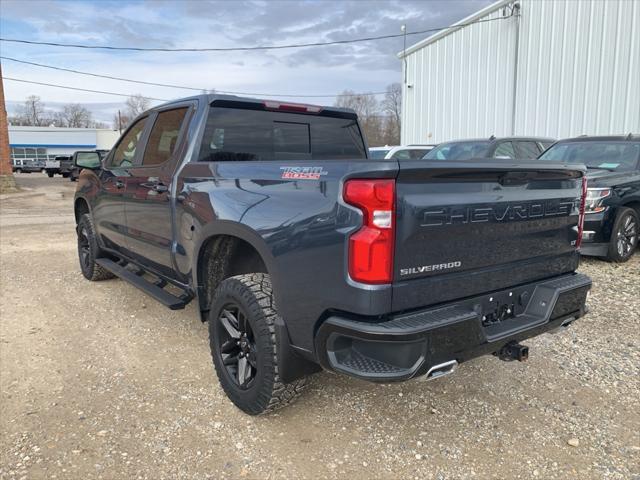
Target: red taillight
(291,107)
(583,201)
(371,247)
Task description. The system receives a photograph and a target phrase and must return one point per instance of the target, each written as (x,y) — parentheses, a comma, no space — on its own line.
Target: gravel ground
(99,381)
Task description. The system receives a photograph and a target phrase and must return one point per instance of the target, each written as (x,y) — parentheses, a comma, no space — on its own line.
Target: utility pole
(119,123)
(7,182)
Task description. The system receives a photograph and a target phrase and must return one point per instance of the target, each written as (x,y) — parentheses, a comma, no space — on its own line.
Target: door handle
(119,184)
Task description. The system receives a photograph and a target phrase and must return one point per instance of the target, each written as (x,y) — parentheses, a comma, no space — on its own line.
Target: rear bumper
(409,345)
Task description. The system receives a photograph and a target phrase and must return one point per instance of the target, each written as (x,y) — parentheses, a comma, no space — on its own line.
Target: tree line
(34,113)
(380,119)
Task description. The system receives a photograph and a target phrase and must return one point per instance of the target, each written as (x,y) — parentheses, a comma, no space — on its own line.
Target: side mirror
(90,160)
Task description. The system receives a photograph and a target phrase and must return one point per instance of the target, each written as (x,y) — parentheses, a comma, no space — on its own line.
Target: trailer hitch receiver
(513,351)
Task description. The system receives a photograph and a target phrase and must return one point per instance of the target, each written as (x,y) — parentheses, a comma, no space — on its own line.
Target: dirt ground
(99,381)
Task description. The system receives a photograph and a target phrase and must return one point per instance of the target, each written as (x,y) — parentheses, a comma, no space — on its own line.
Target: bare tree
(135,105)
(368,110)
(32,113)
(74,115)
(392,107)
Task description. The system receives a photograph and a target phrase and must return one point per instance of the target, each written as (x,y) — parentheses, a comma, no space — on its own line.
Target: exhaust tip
(441,370)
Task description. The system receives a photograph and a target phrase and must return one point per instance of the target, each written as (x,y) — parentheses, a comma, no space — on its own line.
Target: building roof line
(455,27)
(49,145)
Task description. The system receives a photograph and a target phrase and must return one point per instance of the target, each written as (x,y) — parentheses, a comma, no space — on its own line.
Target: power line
(244,49)
(79,89)
(168,85)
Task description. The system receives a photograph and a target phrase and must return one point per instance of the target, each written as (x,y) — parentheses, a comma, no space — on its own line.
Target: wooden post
(7,182)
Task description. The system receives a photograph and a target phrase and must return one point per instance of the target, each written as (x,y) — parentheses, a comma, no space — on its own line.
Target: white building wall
(460,84)
(578,72)
(579,68)
(105,139)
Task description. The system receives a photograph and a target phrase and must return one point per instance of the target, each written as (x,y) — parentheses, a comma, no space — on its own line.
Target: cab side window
(164,137)
(126,149)
(505,149)
(528,150)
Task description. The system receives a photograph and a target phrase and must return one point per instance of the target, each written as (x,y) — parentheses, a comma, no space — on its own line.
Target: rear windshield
(378,154)
(620,156)
(458,151)
(247,135)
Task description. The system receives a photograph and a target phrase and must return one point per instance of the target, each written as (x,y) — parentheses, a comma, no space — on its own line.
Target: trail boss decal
(429,268)
(303,173)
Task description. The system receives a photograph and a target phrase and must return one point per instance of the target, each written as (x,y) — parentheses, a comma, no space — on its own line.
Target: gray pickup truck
(302,253)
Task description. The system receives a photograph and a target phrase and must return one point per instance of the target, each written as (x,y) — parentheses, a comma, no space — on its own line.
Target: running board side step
(152,289)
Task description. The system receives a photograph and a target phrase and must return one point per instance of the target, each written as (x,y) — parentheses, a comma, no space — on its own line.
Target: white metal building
(556,68)
(42,143)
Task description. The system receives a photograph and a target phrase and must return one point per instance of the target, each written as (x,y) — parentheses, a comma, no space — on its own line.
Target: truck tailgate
(467,228)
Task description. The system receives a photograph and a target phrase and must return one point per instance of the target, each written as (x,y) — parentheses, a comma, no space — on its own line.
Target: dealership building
(556,69)
(43,143)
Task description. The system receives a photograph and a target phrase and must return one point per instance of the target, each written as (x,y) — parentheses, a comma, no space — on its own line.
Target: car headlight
(595,196)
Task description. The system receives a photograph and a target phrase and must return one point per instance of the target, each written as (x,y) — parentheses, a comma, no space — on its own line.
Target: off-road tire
(624,214)
(88,266)
(65,175)
(253,293)
(50,175)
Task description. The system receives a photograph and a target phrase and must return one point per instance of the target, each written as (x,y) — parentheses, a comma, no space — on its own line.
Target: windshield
(458,151)
(615,156)
(378,154)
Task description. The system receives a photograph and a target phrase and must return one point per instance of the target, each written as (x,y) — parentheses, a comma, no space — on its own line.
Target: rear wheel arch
(221,256)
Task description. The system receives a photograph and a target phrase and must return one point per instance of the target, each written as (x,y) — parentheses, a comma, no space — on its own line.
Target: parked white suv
(406,152)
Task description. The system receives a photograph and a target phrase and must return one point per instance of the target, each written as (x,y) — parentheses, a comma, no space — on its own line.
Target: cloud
(368,66)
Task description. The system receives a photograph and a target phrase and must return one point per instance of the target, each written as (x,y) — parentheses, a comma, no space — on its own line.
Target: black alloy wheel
(245,345)
(627,236)
(84,247)
(89,251)
(237,345)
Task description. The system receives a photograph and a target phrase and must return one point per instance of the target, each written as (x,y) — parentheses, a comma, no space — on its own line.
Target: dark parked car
(301,252)
(612,222)
(508,147)
(27,165)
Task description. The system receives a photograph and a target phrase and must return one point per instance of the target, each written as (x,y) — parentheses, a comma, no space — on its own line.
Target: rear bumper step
(152,288)
(416,344)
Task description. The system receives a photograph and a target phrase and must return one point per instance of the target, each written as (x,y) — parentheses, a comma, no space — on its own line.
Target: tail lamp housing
(583,202)
(371,247)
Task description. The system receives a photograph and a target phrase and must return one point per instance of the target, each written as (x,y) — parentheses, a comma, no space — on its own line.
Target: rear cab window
(527,149)
(464,150)
(504,150)
(238,134)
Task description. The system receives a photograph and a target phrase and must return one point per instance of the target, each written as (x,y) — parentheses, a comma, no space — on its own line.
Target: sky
(361,67)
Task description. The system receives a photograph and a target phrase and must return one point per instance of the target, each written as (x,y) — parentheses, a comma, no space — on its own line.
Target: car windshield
(458,151)
(378,154)
(622,156)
